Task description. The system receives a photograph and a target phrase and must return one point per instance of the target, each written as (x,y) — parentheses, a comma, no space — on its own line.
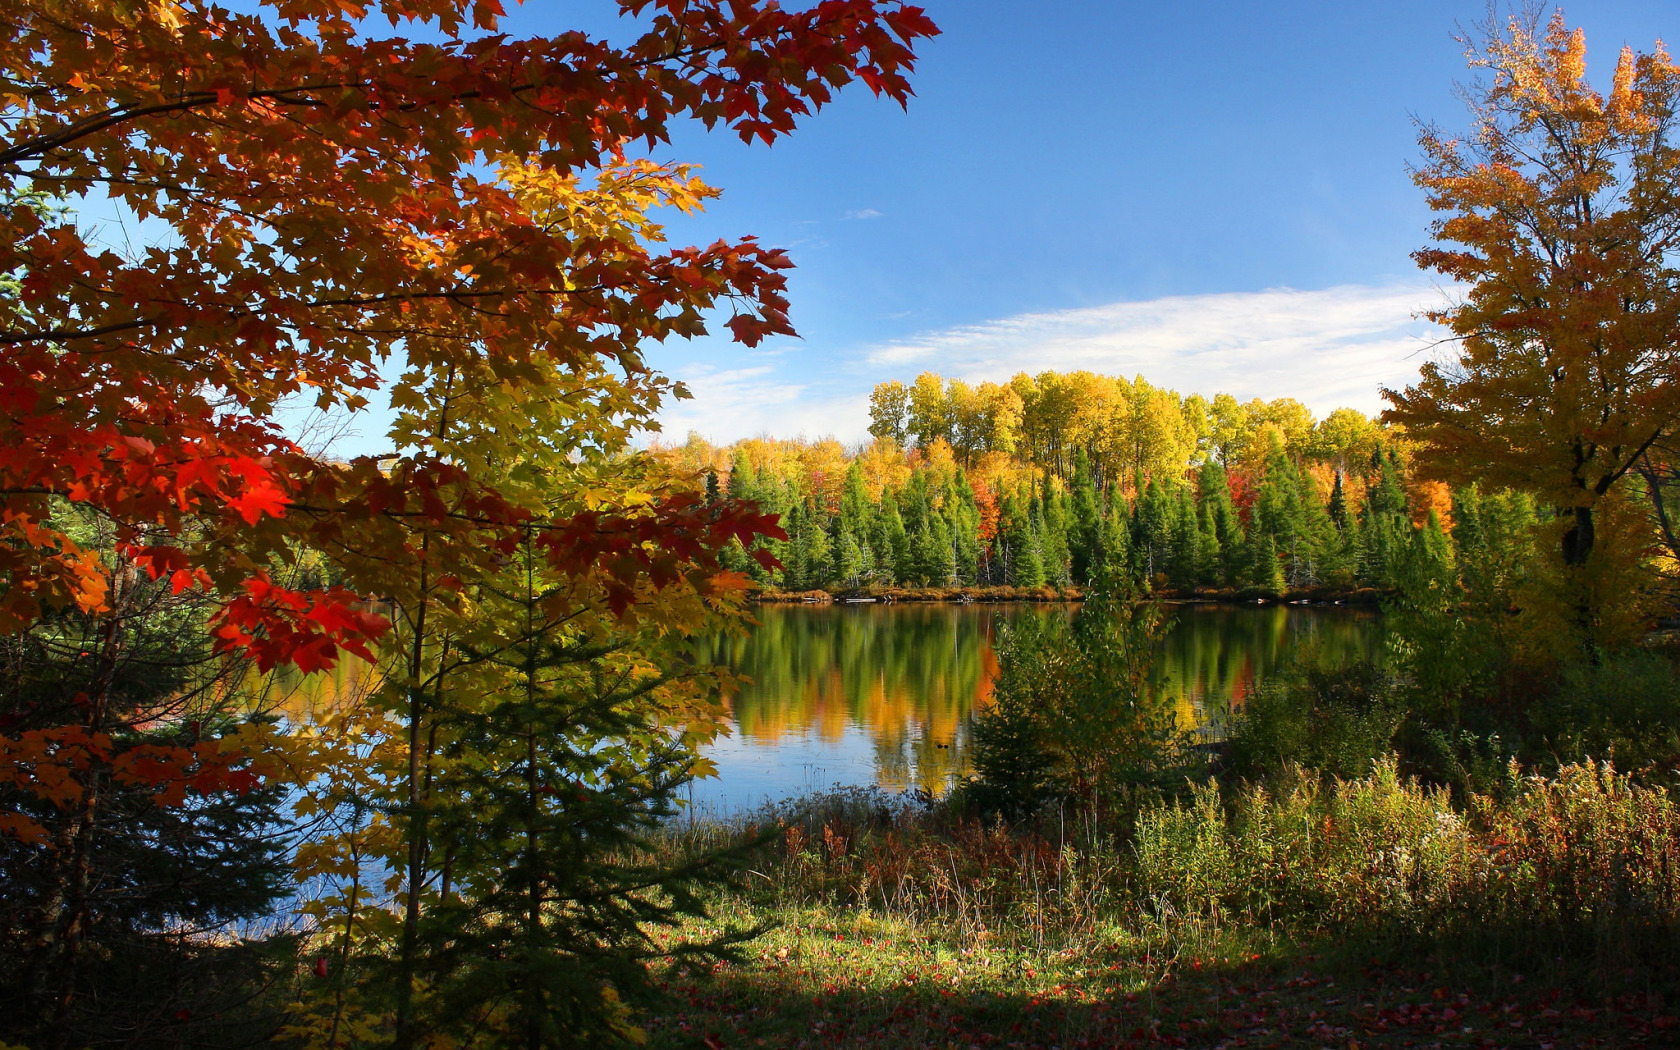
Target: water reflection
(882,694)
(1213,656)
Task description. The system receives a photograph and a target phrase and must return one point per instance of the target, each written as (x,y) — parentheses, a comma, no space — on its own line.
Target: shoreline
(1364,597)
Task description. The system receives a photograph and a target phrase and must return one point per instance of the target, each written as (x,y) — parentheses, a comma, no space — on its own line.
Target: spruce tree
(1214,490)
(849,560)
(1114,557)
(1209,557)
(558,770)
(819,553)
(1026,565)
(1152,532)
(1265,573)
(1085,520)
(1053,540)
(1338,504)
(1184,571)
(895,553)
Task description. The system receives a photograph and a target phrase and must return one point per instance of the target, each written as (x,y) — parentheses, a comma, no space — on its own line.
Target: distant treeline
(1044,479)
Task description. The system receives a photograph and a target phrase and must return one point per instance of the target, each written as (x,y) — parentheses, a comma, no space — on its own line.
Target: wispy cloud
(731,403)
(1329,348)
(862,213)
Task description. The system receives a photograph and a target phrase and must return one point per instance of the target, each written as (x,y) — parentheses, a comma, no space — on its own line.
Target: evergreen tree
(1214,491)
(122,899)
(855,509)
(1085,525)
(963,516)
(1152,524)
(812,552)
(940,559)
(1265,574)
(796,556)
(1025,563)
(557,770)
(894,562)
(1053,541)
(740,477)
(1114,560)
(1209,556)
(1184,571)
(1338,504)
(849,560)
(1385,526)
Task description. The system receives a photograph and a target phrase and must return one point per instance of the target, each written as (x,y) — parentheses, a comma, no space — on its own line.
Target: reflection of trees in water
(303,698)
(910,675)
(1213,656)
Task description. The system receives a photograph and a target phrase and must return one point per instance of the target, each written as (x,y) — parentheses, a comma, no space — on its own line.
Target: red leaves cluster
(55,765)
(325,209)
(305,629)
(679,536)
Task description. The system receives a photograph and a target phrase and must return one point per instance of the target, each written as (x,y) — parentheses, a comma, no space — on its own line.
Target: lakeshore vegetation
(1040,482)
(478,840)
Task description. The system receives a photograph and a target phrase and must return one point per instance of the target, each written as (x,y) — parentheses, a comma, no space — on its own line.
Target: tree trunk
(1578,538)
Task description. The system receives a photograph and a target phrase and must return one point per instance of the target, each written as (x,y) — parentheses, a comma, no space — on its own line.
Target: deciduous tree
(1561,220)
(323,207)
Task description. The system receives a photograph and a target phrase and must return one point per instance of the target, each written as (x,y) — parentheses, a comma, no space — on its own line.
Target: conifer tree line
(1042,481)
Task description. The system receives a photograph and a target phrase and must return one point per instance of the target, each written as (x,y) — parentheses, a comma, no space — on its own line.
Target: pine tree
(1265,573)
(1214,491)
(1152,532)
(1053,539)
(1085,521)
(1209,557)
(1184,570)
(1338,504)
(895,549)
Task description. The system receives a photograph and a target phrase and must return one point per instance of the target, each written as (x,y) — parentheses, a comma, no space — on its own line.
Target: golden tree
(1561,214)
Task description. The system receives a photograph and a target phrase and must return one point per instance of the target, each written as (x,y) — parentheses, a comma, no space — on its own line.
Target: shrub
(1072,712)
(1383,851)
(1626,707)
(1339,721)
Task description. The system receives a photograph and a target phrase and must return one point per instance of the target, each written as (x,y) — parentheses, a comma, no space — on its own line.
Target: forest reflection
(909,676)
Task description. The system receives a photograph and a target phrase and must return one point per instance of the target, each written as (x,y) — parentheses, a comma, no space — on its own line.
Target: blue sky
(1213,194)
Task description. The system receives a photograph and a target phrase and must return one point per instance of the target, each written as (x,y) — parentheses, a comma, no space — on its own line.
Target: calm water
(882,694)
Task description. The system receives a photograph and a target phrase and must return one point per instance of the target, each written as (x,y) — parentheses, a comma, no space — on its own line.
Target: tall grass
(1586,847)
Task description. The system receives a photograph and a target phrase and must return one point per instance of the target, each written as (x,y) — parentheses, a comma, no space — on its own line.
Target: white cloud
(1330,348)
(1326,348)
(862,213)
(731,403)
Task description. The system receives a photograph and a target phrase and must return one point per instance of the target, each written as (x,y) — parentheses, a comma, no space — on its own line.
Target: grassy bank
(1376,912)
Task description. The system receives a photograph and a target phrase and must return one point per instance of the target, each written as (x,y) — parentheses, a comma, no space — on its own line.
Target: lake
(875,694)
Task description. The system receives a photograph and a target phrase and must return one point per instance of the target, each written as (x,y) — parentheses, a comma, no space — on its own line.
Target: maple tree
(1561,218)
(319,203)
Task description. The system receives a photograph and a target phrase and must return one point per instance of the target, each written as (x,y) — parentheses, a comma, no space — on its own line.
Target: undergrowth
(1569,882)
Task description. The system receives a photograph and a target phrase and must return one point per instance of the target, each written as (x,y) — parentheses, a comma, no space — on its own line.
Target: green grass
(845,978)
(1370,913)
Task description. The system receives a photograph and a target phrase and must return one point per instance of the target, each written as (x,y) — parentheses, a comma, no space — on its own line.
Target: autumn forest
(333,746)
(1039,482)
